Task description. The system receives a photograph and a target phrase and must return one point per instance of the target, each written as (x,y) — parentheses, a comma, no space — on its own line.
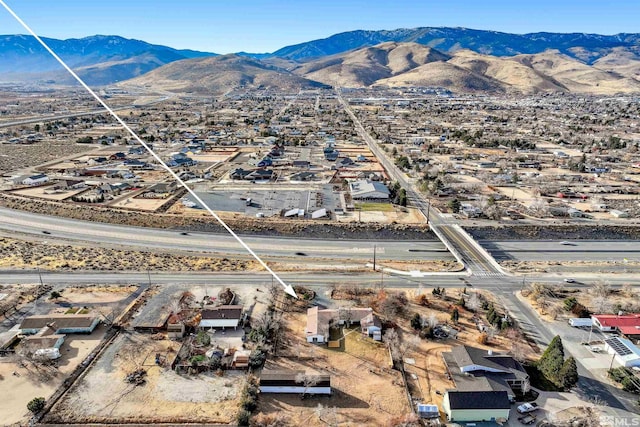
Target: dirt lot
(26,254)
(96,294)
(36,154)
(103,395)
(140,203)
(359,371)
(33,381)
(41,192)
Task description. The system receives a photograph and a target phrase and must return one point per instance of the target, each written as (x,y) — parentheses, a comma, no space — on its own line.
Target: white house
(319,321)
(224,316)
(38,179)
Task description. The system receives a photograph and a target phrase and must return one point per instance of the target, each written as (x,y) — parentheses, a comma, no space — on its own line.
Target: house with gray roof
(475,369)
(469,406)
(365,189)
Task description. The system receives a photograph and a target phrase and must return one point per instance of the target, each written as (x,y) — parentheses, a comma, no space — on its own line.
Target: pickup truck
(527,419)
(527,407)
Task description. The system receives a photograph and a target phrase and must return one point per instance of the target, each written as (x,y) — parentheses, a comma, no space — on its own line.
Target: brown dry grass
(22,254)
(102,396)
(359,372)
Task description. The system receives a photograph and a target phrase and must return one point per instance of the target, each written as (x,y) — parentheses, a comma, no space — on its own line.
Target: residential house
(34,180)
(475,369)
(181,162)
(319,321)
(332,156)
(162,189)
(368,190)
(239,173)
(63,323)
(289,381)
(45,338)
(136,164)
(469,406)
(70,184)
(371,326)
(259,175)
(303,176)
(343,162)
(223,316)
(302,164)
(625,324)
(117,156)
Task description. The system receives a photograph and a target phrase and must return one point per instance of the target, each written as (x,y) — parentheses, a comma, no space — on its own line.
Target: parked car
(527,419)
(527,407)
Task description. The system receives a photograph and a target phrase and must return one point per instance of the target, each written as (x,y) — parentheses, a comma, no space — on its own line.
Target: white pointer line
(287,288)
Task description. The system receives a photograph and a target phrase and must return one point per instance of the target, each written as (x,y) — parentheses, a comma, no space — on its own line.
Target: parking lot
(269,202)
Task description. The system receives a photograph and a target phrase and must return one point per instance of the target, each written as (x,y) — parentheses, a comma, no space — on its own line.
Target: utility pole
(149,276)
(40,285)
(428,209)
(612,359)
(374,257)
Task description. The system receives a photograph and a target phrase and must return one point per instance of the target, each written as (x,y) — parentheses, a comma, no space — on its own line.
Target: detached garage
(624,351)
(470,406)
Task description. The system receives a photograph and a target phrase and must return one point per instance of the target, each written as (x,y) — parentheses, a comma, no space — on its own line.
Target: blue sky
(225,26)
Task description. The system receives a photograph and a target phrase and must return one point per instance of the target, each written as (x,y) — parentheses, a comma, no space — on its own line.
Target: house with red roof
(625,324)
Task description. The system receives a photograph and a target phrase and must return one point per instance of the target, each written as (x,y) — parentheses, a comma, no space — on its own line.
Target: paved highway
(578,250)
(455,238)
(12,221)
(31,120)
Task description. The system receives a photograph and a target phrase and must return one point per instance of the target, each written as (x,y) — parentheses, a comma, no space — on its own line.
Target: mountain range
(457,58)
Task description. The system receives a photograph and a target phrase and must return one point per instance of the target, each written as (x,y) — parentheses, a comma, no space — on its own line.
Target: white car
(569,280)
(527,407)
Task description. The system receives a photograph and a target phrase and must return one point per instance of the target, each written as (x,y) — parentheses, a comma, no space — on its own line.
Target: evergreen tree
(569,373)
(455,315)
(454,205)
(552,360)
(416,322)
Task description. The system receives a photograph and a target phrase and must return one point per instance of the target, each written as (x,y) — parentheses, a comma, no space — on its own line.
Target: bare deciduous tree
(600,289)
(474,303)
(601,304)
(433,321)
(307,380)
